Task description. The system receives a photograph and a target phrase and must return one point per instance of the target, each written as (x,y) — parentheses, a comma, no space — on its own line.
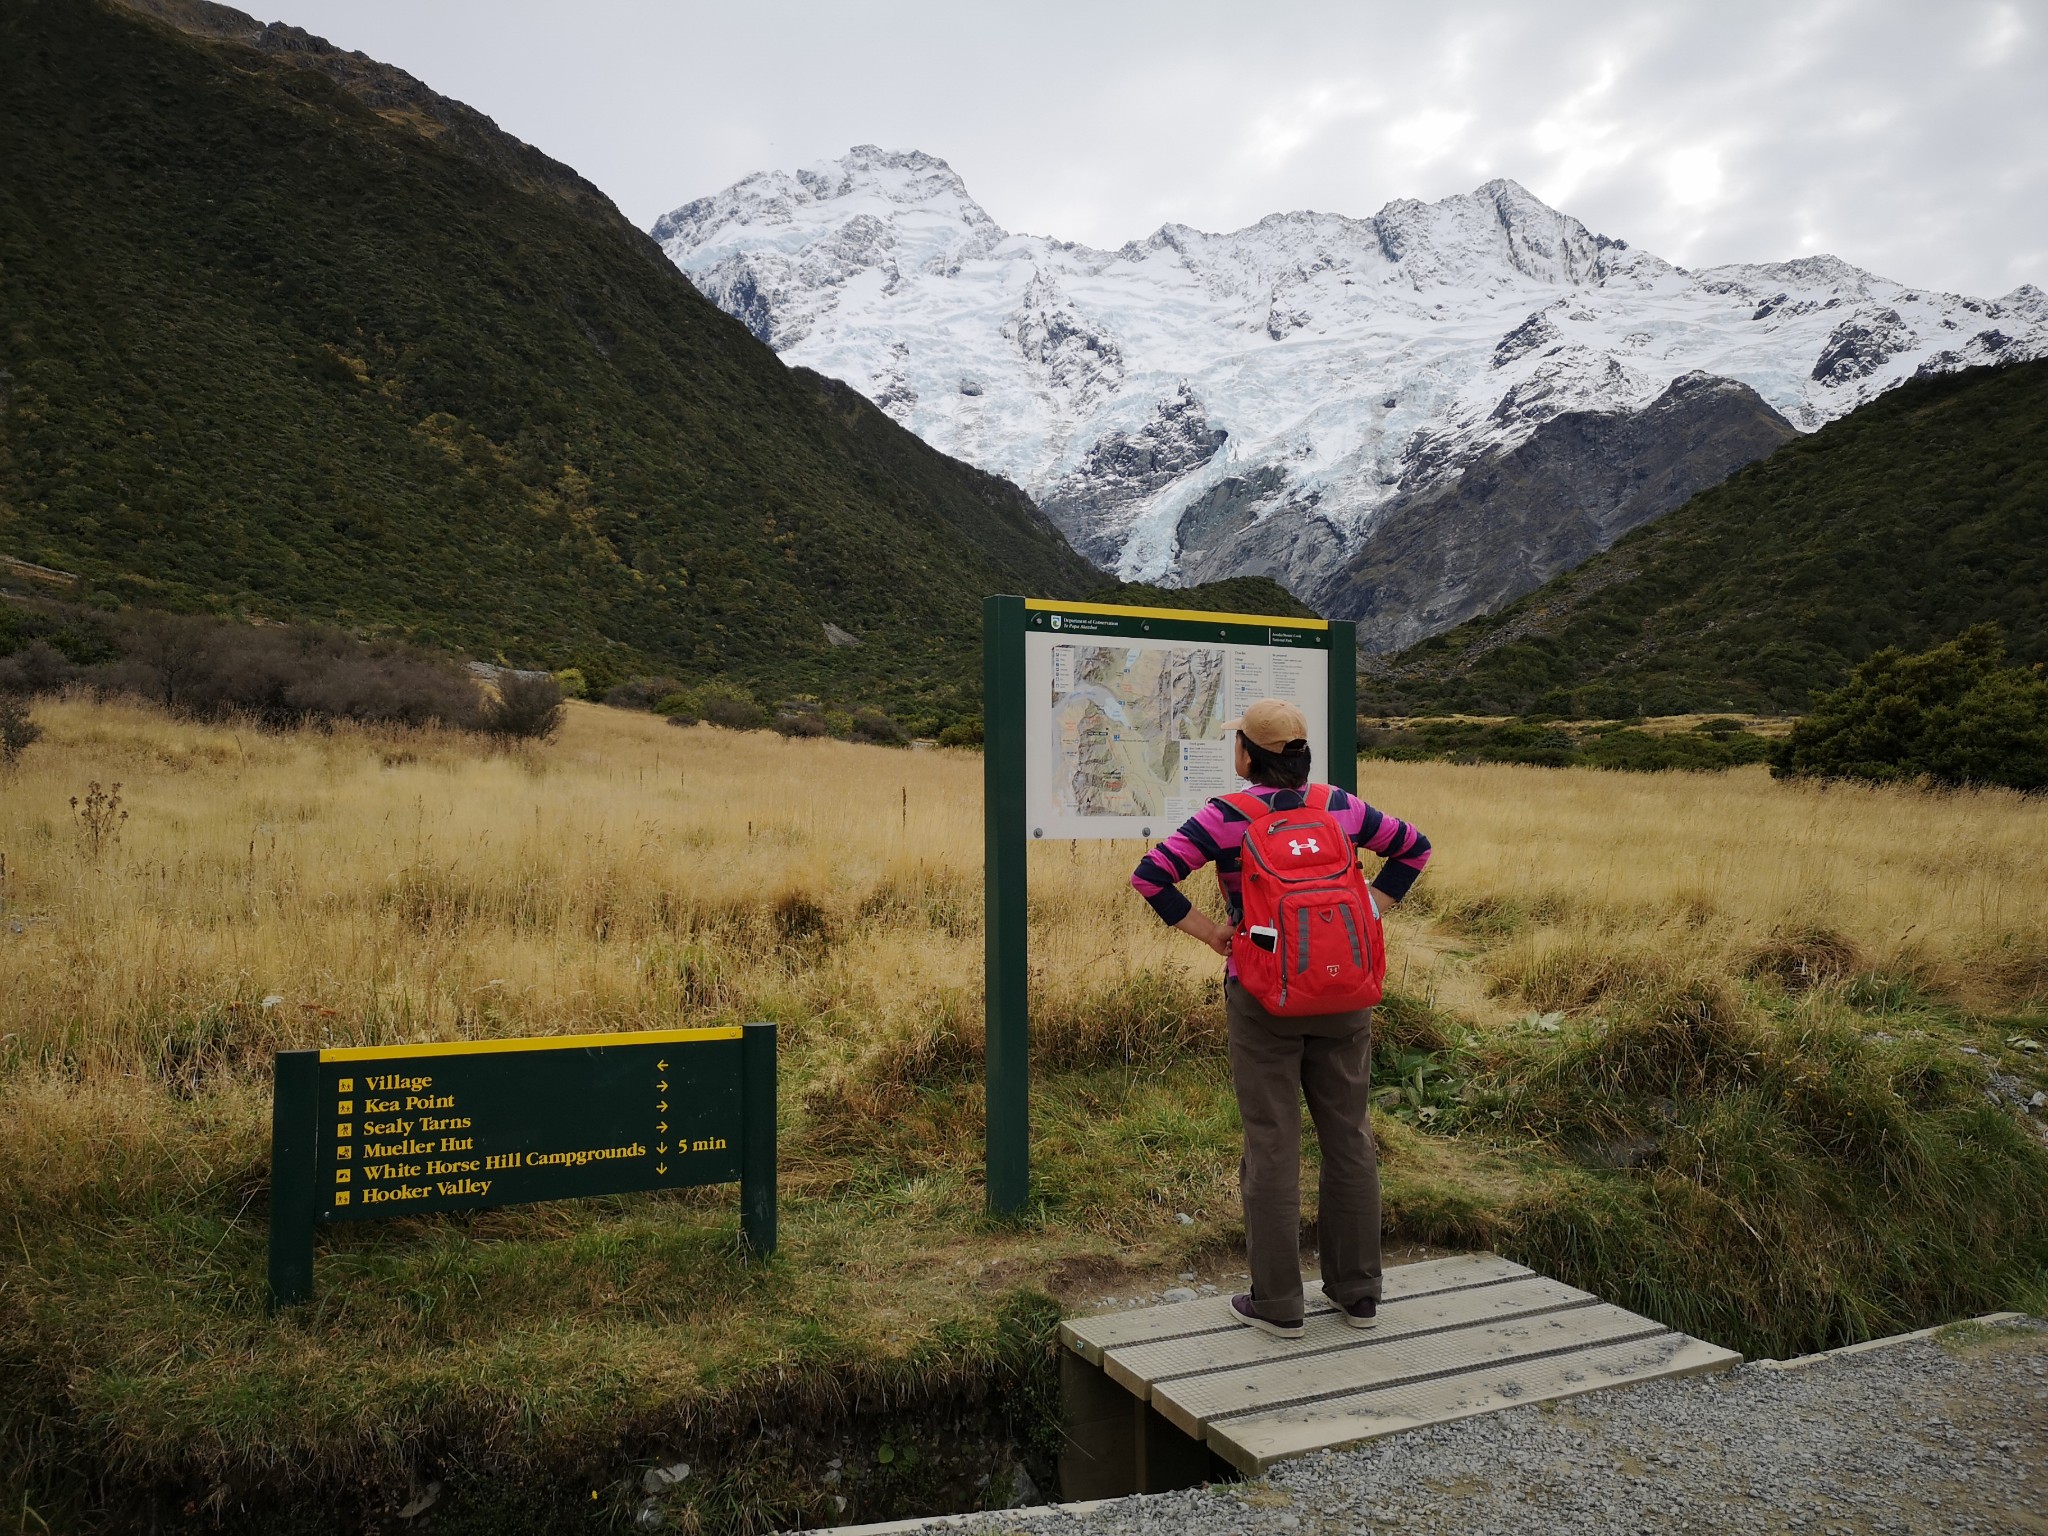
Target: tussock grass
(1693,1043)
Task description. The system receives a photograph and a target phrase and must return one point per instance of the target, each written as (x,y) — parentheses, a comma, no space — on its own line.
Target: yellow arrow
(662,1106)
(661,1126)
(661,1167)
(661,1066)
(662,1085)
(661,1147)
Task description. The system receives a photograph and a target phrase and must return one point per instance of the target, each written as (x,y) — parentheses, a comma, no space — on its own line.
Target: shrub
(1951,714)
(18,732)
(284,675)
(1644,752)
(801,717)
(36,668)
(962,733)
(872,725)
(721,704)
(528,707)
(1546,745)
(733,714)
(643,693)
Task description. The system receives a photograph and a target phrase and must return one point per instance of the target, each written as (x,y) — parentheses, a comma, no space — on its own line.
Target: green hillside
(284,333)
(1902,524)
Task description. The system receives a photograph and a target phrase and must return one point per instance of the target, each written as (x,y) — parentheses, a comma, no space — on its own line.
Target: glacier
(1198,405)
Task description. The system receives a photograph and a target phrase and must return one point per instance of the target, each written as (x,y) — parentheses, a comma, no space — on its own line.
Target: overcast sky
(1911,139)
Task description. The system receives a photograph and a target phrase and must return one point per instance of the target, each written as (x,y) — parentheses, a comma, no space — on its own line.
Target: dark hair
(1277,770)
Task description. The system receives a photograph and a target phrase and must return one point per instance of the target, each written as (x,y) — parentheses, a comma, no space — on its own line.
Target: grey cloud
(1909,138)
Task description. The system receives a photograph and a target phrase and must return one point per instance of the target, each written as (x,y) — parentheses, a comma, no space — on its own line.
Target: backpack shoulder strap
(1318,797)
(1246,804)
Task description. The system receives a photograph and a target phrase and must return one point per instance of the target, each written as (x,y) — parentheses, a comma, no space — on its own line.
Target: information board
(364,1132)
(1100,722)
(1124,711)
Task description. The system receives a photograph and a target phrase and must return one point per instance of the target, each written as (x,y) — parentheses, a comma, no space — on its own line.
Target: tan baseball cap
(1272,723)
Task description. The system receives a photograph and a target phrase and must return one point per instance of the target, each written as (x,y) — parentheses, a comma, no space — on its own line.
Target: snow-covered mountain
(1199,405)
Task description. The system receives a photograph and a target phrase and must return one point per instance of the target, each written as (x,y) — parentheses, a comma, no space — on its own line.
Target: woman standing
(1276,1061)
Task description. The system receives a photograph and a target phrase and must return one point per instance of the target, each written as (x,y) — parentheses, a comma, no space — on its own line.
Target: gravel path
(1946,1435)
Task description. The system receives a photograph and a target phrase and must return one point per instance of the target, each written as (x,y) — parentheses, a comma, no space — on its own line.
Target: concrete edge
(1043,1511)
(942,1522)
(1802,1362)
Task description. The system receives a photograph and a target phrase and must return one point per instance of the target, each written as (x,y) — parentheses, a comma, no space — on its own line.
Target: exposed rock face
(1857,348)
(1073,356)
(1517,518)
(1122,469)
(1228,508)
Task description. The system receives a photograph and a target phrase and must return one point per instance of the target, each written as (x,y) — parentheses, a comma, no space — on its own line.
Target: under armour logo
(1298,849)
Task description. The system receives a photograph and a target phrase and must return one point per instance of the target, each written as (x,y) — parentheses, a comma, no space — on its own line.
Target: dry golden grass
(274,890)
(1732,872)
(362,886)
(270,891)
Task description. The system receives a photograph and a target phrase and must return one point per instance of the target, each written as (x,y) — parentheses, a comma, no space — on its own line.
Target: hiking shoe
(1362,1313)
(1242,1306)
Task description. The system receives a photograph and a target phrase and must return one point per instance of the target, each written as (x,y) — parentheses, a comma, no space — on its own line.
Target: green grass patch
(1777,1166)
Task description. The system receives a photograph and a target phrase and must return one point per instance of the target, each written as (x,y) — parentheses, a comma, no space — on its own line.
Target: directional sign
(362,1132)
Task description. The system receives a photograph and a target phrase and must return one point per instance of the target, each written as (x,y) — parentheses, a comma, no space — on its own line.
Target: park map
(1137,730)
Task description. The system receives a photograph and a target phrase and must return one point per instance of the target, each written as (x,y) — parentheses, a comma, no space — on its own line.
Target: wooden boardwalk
(1151,1395)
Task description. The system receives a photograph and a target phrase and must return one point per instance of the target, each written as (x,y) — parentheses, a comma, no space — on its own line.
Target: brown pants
(1274,1064)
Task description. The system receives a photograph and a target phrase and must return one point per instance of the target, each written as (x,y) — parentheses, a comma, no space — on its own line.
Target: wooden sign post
(362,1132)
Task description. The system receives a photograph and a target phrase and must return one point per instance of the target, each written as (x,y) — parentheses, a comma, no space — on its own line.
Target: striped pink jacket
(1215,835)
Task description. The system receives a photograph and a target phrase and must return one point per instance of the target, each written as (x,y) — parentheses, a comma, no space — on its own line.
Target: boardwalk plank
(1088,1337)
(1192,1402)
(1138,1367)
(1254,1442)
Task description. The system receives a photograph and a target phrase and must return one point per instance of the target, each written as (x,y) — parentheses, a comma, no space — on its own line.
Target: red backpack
(1311,940)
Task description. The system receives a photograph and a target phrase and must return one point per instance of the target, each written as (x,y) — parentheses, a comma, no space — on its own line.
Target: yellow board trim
(533,1043)
(1184,615)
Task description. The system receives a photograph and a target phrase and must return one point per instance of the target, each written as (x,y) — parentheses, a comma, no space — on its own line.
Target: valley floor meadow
(1749,1057)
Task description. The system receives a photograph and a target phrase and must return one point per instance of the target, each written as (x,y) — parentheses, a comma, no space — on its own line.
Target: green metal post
(757,1139)
(1008,1028)
(1343,766)
(294,1199)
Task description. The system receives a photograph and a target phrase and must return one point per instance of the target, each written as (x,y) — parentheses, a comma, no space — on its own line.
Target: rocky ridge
(1274,399)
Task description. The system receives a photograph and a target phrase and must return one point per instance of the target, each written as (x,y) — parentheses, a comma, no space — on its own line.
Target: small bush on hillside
(1952,714)
(285,675)
(18,732)
(801,717)
(1548,745)
(1644,752)
(528,707)
(81,637)
(716,703)
(642,692)
(962,733)
(733,714)
(37,668)
(871,725)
